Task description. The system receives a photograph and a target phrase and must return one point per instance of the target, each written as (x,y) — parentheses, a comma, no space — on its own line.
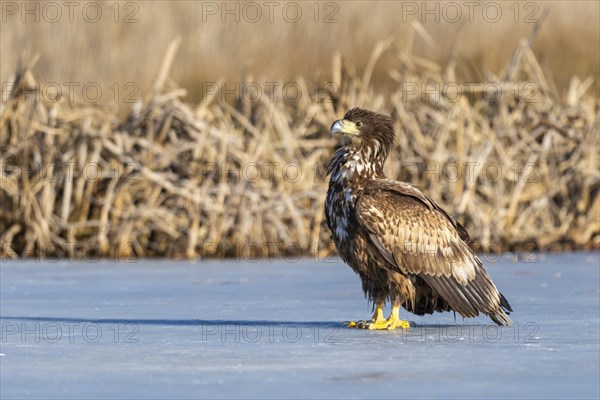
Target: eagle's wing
(419,238)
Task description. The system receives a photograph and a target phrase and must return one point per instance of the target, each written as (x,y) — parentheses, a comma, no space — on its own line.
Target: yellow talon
(392,323)
(389,325)
(375,319)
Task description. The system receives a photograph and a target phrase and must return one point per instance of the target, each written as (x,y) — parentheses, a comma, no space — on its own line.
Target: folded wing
(419,238)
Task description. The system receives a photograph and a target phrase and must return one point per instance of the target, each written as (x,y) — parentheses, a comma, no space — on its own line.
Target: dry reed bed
(519,170)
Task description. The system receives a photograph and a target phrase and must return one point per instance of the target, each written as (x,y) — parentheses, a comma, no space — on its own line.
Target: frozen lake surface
(175,329)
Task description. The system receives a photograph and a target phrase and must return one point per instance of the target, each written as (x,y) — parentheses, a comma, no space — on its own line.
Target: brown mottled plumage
(404,247)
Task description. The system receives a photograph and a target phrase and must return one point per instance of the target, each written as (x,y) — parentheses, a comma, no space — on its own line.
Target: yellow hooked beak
(344,126)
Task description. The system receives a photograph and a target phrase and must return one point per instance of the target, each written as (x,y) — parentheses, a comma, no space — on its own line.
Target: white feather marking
(375,211)
(460,273)
(376,147)
(447,252)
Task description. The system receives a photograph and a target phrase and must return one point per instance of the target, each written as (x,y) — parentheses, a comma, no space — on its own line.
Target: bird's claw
(389,325)
(356,324)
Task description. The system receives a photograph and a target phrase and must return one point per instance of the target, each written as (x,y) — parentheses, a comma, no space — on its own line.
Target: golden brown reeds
(516,165)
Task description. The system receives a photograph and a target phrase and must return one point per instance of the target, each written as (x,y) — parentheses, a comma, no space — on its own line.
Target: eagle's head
(367,130)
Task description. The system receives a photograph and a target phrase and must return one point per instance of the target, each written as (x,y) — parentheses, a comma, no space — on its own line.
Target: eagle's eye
(359,124)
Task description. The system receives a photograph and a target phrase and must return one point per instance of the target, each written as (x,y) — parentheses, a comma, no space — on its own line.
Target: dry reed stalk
(520,171)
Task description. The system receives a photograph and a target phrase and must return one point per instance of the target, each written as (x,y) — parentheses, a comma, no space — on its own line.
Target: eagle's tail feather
(501,318)
(504,303)
(501,315)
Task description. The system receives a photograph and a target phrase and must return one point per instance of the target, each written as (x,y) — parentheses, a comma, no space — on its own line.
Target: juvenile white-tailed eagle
(404,247)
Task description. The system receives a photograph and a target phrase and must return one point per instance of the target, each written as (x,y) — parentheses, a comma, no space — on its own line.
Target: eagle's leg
(393,322)
(376,318)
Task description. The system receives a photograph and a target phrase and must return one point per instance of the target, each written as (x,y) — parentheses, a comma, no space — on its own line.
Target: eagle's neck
(353,166)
